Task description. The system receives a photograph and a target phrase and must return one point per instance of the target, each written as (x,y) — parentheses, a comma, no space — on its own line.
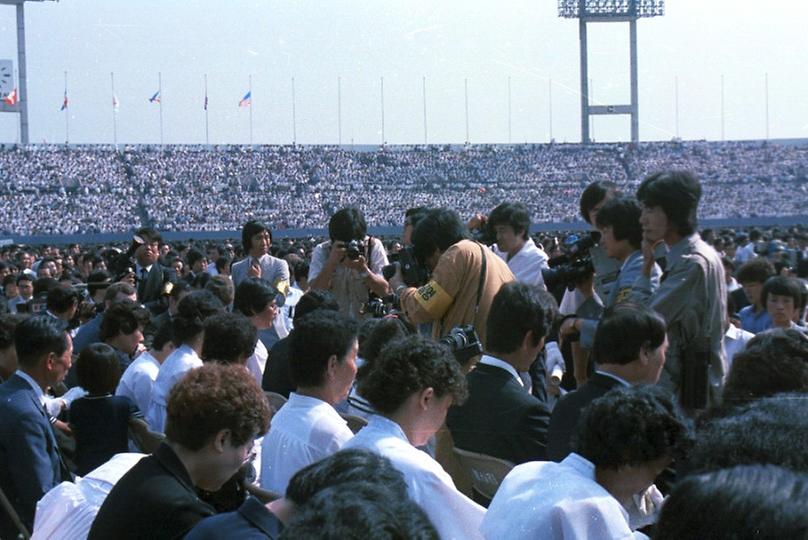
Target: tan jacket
(450,296)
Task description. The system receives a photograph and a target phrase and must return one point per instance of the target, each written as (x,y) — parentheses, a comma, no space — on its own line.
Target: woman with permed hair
(411,385)
(214,415)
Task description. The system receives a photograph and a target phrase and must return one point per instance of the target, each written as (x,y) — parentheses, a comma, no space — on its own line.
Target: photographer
(350,264)
(466,276)
(692,293)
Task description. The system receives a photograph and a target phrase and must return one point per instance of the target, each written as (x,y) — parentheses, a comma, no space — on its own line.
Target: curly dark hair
(123,318)
(632,426)
(410,365)
(192,311)
(212,398)
(98,369)
(229,338)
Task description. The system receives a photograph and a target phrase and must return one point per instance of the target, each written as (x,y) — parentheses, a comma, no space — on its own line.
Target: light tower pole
(591,11)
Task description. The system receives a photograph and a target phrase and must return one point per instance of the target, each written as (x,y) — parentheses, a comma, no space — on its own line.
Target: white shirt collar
(496,362)
(139,269)
(387,426)
(38,389)
(615,377)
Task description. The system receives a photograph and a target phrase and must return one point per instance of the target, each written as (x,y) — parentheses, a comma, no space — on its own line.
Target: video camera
(120,264)
(412,272)
(574,265)
(464,343)
(382,307)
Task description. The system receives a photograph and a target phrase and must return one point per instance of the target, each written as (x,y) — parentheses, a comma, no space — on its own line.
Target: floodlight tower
(629,11)
(22,91)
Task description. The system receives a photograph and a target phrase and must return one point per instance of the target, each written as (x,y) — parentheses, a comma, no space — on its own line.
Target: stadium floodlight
(629,11)
(22,91)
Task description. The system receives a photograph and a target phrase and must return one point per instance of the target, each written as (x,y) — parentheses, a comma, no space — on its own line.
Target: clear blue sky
(446,41)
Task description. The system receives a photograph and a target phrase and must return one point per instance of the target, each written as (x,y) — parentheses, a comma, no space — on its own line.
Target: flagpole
(466,90)
(294,115)
(160,103)
(510,138)
(550,106)
(114,114)
(382,96)
(67,116)
(249,89)
(339,111)
(207,135)
(423,80)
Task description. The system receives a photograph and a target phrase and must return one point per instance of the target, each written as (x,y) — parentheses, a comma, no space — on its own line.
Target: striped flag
(64,103)
(155,98)
(206,102)
(246,101)
(116,105)
(12,98)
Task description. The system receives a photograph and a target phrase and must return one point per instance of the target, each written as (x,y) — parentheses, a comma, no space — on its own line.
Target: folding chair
(486,473)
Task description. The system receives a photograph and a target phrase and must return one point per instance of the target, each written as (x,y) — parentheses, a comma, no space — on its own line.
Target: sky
(338,51)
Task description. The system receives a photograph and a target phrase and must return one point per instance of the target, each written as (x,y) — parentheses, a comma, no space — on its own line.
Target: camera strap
(480,285)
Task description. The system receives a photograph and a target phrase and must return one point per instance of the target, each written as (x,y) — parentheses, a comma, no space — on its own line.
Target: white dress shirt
(178,363)
(454,515)
(501,364)
(543,499)
(304,430)
(258,361)
(137,381)
(527,264)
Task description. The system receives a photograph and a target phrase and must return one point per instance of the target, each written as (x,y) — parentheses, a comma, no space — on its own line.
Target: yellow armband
(434,299)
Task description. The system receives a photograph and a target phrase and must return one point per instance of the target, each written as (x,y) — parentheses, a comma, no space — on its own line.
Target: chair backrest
(276,401)
(486,472)
(355,423)
(15,518)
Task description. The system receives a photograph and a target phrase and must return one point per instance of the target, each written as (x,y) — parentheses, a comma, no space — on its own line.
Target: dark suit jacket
(251,521)
(277,373)
(29,454)
(154,500)
(567,411)
(150,292)
(500,418)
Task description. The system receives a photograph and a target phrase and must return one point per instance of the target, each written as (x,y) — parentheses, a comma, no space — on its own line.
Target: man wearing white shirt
(511,223)
(307,428)
(626,439)
(137,381)
(258,300)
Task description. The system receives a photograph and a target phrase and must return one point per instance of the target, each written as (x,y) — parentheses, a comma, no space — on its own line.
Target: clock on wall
(6,78)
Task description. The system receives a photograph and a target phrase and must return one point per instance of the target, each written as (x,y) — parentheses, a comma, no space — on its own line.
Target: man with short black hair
(122,329)
(30,462)
(501,418)
(511,223)
(151,277)
(752,275)
(25,291)
(62,303)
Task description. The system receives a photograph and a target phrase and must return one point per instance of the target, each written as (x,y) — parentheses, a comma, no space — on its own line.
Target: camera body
(354,249)
(412,272)
(575,264)
(379,308)
(464,343)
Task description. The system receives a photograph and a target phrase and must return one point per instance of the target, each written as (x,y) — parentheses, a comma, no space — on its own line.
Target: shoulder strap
(483,270)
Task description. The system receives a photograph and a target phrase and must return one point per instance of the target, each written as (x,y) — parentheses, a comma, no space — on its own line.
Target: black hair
(782,286)
(8,326)
(383,332)
(594,194)
(62,299)
(313,300)
(98,369)
(410,365)
(192,311)
(250,229)
(771,430)
(98,280)
(677,193)
(345,466)
(38,336)
(757,270)
(624,329)
(164,334)
(220,286)
(11,278)
(622,214)
(253,295)
(439,229)
(193,256)
(745,501)
(632,426)
(347,224)
(149,235)
(123,318)
(519,308)
(222,262)
(515,215)
(45,285)
(774,361)
(360,510)
(24,277)
(301,271)
(229,338)
(315,338)
(413,215)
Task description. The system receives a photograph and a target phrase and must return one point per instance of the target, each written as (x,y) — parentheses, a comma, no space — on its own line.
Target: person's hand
(360,264)
(568,329)
(255,269)
(648,259)
(337,254)
(397,280)
(477,221)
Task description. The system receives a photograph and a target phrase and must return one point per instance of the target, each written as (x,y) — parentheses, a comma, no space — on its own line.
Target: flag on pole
(246,101)
(116,105)
(64,103)
(155,98)
(12,98)
(206,102)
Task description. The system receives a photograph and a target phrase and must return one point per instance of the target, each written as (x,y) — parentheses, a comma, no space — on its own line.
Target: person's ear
(645,353)
(425,397)
(221,439)
(50,361)
(332,366)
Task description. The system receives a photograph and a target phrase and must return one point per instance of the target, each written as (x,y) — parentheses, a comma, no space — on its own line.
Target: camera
(354,249)
(574,265)
(413,274)
(381,307)
(464,343)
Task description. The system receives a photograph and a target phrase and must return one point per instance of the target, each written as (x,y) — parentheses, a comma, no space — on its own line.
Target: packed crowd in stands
(246,388)
(194,188)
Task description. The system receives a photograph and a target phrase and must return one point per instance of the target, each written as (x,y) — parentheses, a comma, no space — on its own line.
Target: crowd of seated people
(191,188)
(145,394)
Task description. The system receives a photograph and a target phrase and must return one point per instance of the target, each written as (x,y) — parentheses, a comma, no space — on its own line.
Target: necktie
(141,287)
